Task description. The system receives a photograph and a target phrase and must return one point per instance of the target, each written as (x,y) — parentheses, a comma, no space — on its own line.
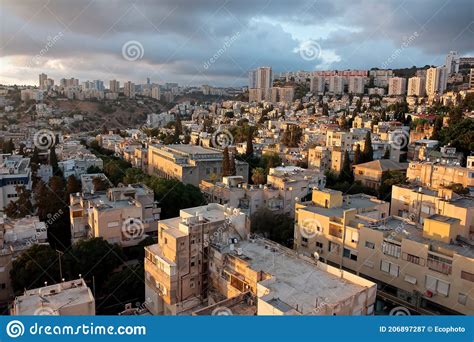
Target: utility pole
(60,264)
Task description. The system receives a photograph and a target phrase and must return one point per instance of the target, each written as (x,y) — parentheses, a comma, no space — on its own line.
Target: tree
(22,149)
(226,166)
(249,147)
(100,184)
(53,159)
(358,155)
(72,185)
(93,258)
(22,206)
(276,227)
(346,174)
(386,155)
(368,150)
(8,146)
(233,170)
(35,266)
(178,127)
(389,179)
(258,176)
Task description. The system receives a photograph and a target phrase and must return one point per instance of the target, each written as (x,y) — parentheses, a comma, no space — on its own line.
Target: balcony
(439,264)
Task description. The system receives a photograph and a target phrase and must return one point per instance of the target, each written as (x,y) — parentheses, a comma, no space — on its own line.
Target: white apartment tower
(317,85)
(43,78)
(264,77)
(129,89)
(416,86)
(452,62)
(356,85)
(114,86)
(397,86)
(336,85)
(436,79)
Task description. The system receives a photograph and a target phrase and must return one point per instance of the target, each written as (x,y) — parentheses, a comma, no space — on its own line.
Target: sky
(216,42)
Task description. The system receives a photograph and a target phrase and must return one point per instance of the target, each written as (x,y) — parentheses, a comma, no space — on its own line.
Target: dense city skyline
(216,42)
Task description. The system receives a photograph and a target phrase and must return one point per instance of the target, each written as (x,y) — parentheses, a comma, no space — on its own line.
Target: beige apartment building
(189,163)
(124,215)
(370,174)
(428,269)
(435,175)
(176,268)
(285,186)
(417,203)
(319,158)
(206,259)
(69,298)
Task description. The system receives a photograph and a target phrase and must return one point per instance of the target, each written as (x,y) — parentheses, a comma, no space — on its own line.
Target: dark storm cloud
(180,36)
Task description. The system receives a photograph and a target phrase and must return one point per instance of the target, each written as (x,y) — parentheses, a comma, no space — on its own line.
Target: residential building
(79,165)
(317,85)
(436,175)
(436,79)
(428,269)
(16,236)
(452,62)
(189,163)
(417,203)
(204,259)
(397,86)
(124,215)
(336,85)
(356,84)
(114,86)
(69,298)
(155,92)
(176,268)
(416,86)
(129,89)
(43,78)
(14,171)
(371,174)
(319,158)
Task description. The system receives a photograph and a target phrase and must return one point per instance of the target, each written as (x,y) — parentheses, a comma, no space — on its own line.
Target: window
(462,298)
(333,247)
(369,244)
(350,254)
(390,268)
(436,285)
(391,249)
(413,259)
(467,276)
(304,239)
(319,244)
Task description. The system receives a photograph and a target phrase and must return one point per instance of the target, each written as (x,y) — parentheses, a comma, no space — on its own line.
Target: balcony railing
(439,265)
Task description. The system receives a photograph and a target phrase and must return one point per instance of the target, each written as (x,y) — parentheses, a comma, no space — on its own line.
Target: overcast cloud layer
(84,39)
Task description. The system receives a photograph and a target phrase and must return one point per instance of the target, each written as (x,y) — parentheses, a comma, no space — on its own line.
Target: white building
(317,85)
(336,85)
(14,171)
(452,62)
(356,85)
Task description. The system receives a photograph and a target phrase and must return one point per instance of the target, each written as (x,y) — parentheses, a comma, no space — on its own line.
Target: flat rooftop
(295,282)
(50,299)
